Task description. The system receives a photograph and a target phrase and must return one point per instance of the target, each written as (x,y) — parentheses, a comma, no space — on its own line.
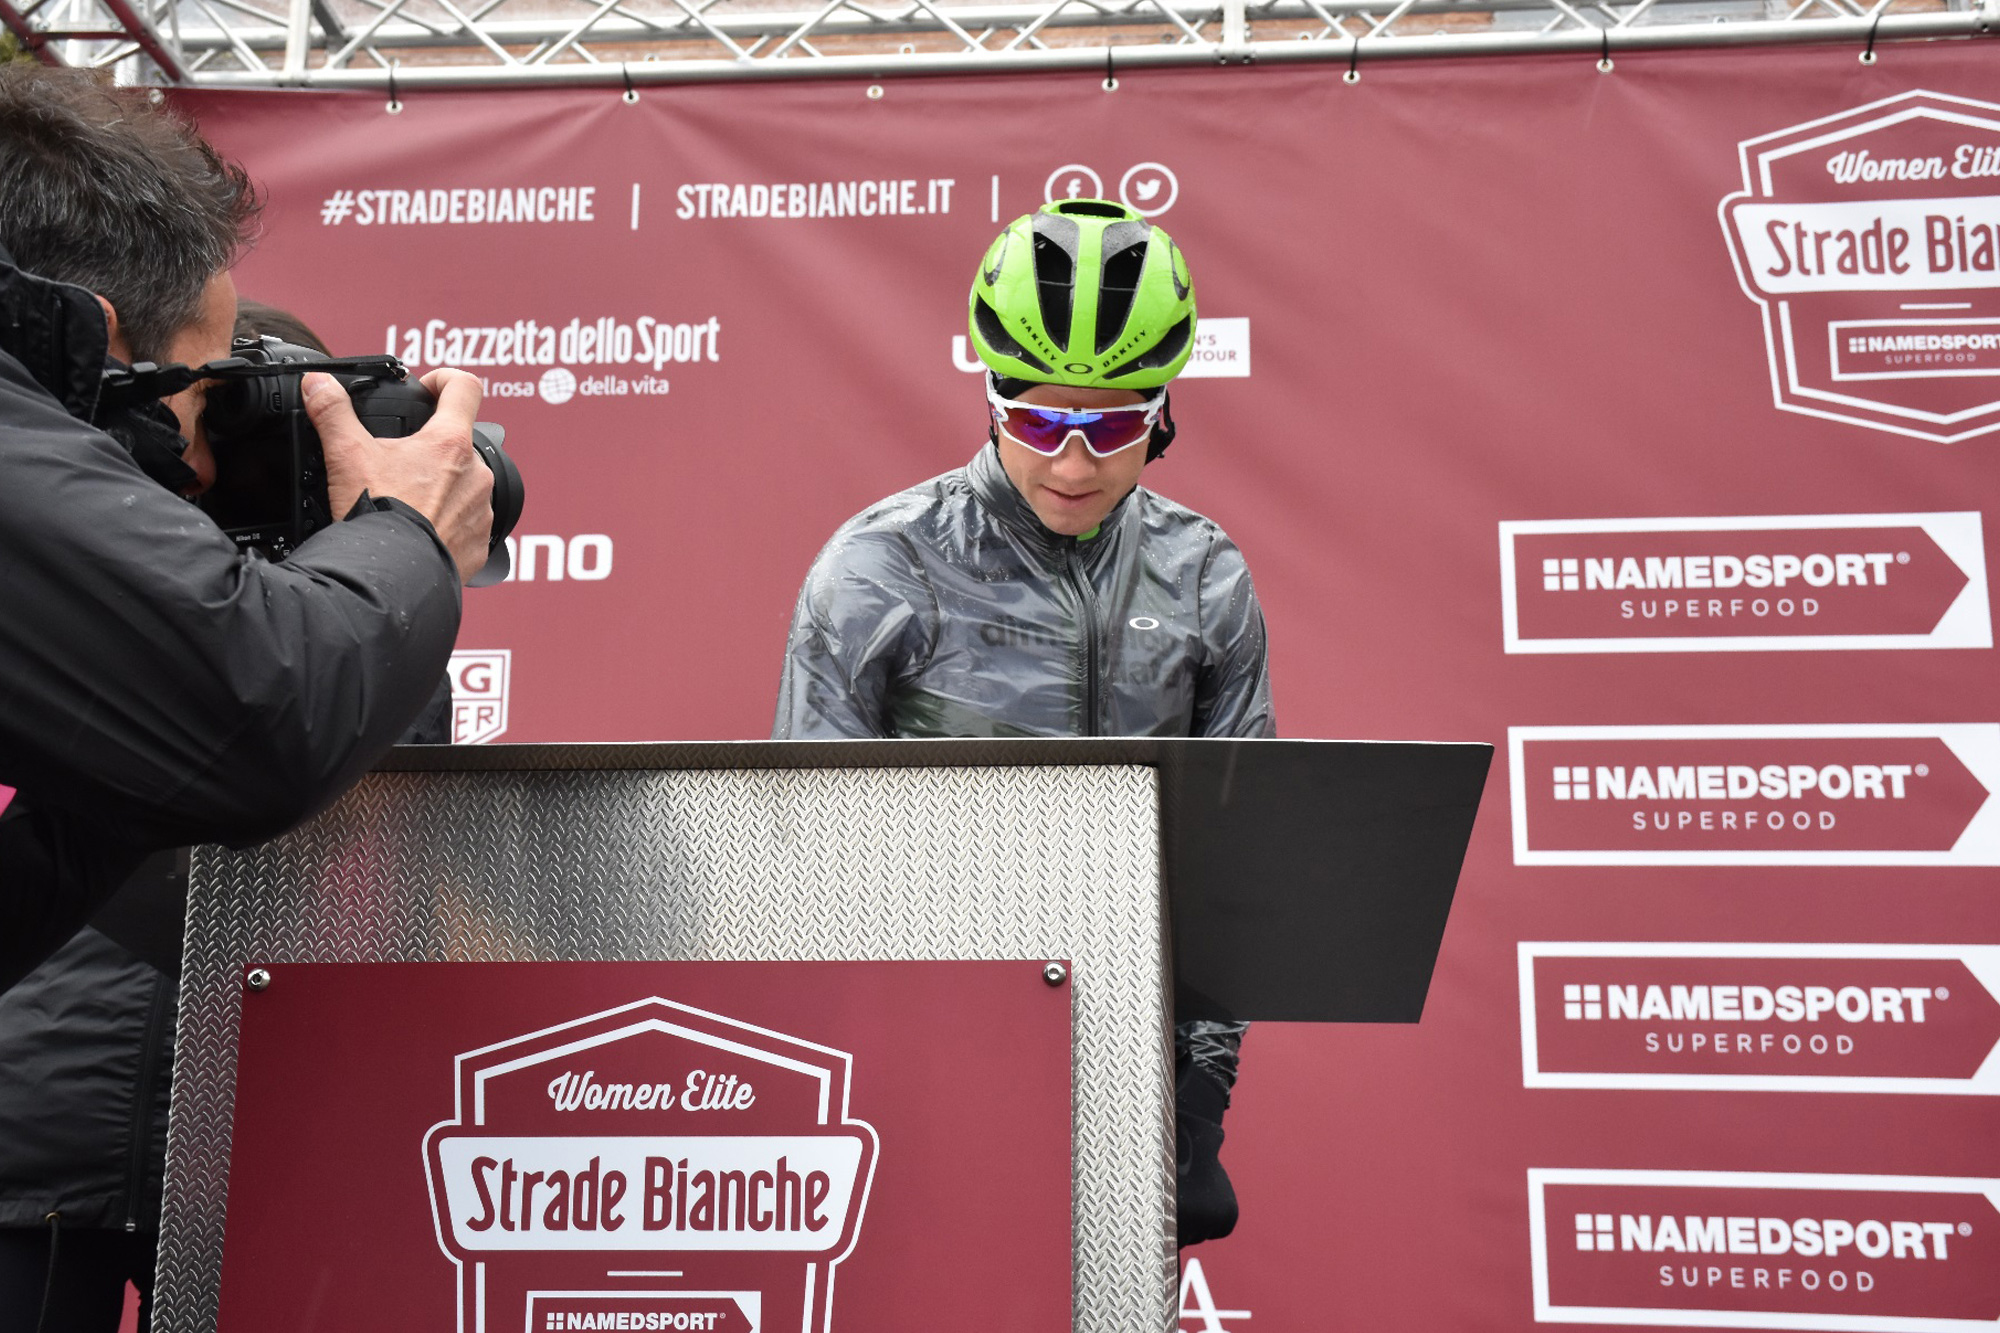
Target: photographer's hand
(435,472)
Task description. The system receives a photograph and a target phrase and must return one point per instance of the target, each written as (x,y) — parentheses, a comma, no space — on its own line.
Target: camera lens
(509,493)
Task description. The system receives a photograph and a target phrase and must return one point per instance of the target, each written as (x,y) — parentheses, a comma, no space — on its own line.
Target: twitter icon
(1150,188)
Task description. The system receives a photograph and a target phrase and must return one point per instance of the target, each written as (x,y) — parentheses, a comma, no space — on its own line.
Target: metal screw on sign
(1054,973)
(874,92)
(257,979)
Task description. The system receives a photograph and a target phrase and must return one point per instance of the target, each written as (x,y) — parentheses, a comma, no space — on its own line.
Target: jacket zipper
(1072,568)
(142,1110)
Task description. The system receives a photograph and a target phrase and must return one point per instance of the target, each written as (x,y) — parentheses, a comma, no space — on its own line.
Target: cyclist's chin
(1071,514)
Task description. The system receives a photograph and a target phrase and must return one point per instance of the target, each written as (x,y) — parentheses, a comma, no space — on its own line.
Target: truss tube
(1235,32)
(1855,30)
(383,34)
(329,22)
(467,26)
(140,30)
(698,15)
(27,34)
(336,59)
(298,36)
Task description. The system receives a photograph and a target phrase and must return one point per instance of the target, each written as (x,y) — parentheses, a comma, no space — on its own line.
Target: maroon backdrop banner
(1640,423)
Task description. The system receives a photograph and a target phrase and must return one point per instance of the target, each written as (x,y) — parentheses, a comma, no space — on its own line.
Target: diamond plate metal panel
(813,863)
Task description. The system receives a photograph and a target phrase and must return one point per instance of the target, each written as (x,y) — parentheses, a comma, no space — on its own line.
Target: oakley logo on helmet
(1221,351)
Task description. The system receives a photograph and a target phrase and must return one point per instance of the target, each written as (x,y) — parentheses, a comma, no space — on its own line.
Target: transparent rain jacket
(949,610)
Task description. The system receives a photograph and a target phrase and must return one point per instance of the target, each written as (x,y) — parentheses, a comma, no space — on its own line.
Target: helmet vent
(995,335)
(1161,353)
(1055,286)
(1117,290)
(1091,208)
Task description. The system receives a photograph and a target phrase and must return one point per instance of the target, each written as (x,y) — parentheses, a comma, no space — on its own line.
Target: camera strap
(145,381)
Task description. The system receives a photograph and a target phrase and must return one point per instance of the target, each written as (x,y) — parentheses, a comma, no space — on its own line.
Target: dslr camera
(270,489)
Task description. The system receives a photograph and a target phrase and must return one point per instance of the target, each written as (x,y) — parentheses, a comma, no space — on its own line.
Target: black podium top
(1307,881)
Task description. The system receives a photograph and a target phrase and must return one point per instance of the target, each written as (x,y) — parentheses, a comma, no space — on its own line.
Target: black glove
(1207,1201)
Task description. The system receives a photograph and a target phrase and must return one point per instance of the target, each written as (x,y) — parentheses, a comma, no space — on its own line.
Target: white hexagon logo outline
(1782,325)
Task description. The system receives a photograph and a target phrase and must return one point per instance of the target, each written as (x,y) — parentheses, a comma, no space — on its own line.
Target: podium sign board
(660,1146)
(1278,879)
(682,854)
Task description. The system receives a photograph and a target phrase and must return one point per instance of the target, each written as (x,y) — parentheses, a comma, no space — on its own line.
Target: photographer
(158,686)
(86,1064)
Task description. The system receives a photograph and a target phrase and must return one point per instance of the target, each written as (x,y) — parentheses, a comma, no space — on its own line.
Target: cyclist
(1039,590)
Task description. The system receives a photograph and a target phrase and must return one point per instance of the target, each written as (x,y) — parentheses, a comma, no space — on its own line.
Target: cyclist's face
(1073,491)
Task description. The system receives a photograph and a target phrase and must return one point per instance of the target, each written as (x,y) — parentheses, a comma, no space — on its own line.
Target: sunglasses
(1046,430)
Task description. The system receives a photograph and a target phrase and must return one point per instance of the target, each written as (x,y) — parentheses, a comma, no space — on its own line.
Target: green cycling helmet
(1084,292)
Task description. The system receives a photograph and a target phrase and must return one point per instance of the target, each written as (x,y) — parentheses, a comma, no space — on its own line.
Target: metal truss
(394,44)
(99,34)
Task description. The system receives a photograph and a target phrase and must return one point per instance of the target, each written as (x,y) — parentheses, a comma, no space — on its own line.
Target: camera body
(270,491)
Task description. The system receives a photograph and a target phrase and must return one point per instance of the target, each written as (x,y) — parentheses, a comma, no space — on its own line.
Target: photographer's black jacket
(157,687)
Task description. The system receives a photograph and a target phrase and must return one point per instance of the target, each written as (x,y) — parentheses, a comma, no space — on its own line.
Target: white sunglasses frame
(1152,407)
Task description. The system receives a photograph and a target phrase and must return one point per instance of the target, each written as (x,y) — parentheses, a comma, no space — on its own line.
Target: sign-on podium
(479,951)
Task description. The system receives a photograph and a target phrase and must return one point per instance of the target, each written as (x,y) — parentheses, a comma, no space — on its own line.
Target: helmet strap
(1164,429)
